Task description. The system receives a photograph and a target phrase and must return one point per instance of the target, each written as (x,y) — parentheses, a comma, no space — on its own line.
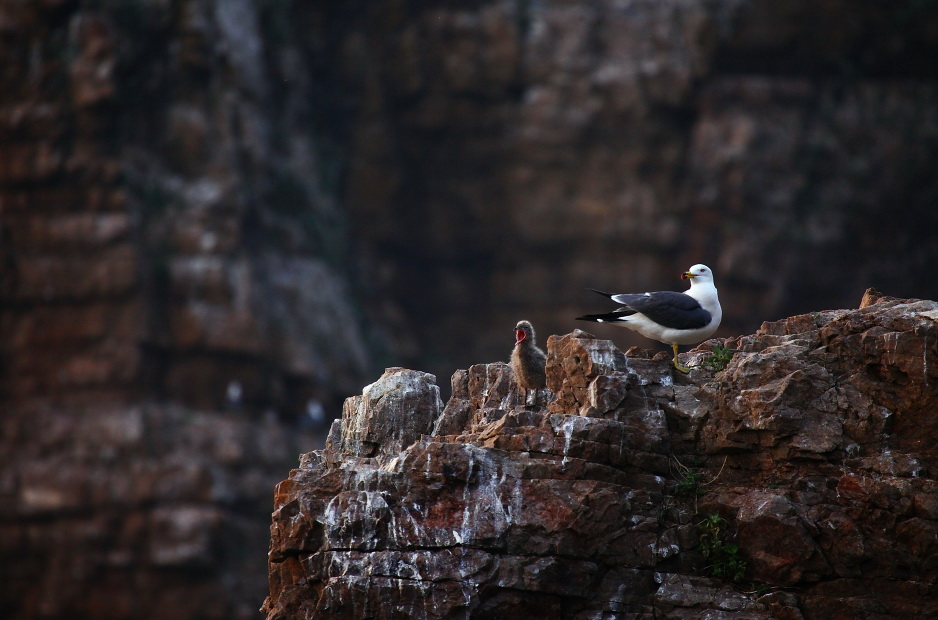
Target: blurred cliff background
(218,218)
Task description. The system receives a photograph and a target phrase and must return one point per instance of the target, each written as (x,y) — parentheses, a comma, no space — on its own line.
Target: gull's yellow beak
(687,275)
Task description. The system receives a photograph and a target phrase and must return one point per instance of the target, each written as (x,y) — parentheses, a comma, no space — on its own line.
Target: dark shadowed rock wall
(175,296)
(503,155)
(170,210)
(812,455)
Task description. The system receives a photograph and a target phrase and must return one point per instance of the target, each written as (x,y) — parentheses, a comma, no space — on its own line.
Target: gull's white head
(698,274)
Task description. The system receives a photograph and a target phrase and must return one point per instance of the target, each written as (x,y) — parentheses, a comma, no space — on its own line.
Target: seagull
(527,360)
(667,316)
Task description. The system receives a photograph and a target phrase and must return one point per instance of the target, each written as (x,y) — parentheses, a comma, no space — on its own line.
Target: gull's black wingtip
(600,318)
(606,317)
(603,293)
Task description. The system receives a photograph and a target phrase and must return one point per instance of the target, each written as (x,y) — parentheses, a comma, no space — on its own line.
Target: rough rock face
(815,446)
(144,511)
(172,268)
(167,221)
(514,153)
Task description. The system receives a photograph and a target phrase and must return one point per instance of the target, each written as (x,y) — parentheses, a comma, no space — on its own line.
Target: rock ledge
(817,444)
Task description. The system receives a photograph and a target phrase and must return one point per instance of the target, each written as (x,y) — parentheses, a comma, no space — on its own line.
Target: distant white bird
(233,393)
(666,316)
(315,411)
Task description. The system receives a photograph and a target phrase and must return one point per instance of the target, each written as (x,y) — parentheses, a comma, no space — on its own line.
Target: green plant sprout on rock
(688,484)
(724,557)
(718,359)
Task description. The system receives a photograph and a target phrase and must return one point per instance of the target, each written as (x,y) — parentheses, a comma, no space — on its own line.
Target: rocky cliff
(797,482)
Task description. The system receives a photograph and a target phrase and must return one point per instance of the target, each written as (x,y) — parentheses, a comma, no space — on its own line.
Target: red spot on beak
(520,335)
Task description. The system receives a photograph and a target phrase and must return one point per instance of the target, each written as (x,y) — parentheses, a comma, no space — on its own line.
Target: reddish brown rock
(593,505)
(763,522)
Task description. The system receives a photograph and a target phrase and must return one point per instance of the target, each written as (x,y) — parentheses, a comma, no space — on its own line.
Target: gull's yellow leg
(676,364)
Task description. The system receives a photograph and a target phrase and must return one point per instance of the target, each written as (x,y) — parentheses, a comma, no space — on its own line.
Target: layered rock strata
(174,299)
(815,446)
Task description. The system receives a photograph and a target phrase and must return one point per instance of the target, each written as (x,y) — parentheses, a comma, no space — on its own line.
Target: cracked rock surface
(816,445)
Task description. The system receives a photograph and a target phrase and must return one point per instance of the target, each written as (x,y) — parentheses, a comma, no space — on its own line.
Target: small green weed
(689,481)
(688,484)
(726,563)
(718,359)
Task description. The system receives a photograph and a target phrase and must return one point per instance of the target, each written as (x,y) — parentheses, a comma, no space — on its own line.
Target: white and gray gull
(667,316)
